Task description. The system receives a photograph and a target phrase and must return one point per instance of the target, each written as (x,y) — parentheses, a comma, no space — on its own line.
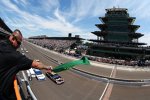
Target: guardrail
(19,90)
(28,87)
(141,82)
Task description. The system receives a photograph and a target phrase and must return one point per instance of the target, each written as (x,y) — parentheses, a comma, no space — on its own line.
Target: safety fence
(22,88)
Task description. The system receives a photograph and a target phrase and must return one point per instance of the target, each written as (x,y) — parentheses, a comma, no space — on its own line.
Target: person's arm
(39,65)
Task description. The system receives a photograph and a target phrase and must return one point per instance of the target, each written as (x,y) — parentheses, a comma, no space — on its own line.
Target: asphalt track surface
(78,87)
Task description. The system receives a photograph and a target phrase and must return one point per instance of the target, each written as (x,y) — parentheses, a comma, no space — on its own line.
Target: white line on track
(106,87)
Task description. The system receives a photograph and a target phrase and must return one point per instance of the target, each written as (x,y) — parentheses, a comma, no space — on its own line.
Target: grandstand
(59,44)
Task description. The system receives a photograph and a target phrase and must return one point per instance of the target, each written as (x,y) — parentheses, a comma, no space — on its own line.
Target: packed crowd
(53,44)
(58,45)
(129,62)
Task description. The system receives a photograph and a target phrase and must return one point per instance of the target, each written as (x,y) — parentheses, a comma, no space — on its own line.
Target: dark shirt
(11,62)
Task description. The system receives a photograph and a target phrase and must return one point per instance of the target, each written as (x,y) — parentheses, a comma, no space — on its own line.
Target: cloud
(136,8)
(82,9)
(145,39)
(48,15)
(48,6)
(36,22)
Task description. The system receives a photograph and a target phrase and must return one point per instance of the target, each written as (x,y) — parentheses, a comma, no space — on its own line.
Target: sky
(57,18)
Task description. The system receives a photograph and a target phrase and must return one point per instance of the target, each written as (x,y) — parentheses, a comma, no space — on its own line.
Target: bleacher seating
(53,44)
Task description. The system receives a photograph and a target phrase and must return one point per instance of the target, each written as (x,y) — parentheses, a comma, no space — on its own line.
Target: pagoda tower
(117,36)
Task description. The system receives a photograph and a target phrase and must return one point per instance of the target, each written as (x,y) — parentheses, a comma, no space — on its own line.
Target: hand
(49,68)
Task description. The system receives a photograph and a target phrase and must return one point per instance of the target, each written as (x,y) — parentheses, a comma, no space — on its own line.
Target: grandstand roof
(4,26)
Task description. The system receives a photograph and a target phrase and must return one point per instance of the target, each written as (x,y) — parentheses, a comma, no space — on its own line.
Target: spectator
(11,62)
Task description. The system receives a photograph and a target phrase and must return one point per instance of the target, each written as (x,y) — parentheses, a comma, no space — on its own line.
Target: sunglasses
(18,42)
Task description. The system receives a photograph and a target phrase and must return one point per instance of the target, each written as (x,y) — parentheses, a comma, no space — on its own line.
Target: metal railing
(20,91)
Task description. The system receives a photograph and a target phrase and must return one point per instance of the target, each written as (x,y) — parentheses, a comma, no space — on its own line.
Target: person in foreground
(11,62)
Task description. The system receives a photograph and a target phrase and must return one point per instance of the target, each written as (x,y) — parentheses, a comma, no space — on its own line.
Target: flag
(68,65)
